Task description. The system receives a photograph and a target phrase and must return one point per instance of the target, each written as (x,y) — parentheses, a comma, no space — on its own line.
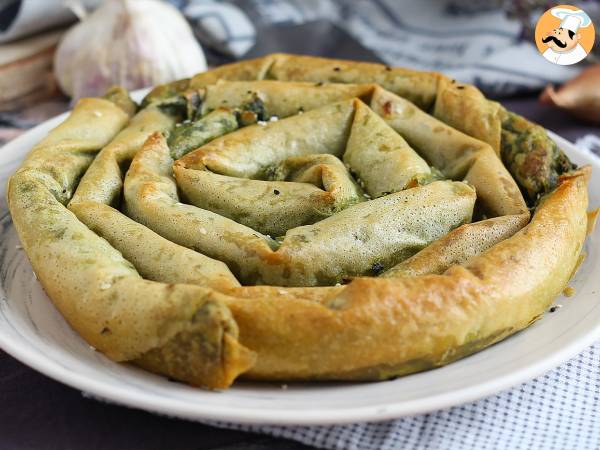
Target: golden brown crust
(465,108)
(380,327)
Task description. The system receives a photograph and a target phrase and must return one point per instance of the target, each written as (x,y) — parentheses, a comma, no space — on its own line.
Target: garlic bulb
(131,43)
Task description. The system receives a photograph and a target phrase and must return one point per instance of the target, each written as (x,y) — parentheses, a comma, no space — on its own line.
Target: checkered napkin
(557,411)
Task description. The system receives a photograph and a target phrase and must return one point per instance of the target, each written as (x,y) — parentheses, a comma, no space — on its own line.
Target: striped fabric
(469,41)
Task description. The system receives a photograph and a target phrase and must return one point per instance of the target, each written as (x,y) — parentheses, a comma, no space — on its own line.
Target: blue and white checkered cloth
(557,411)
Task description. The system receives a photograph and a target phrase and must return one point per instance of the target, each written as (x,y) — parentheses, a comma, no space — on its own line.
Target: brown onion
(579,96)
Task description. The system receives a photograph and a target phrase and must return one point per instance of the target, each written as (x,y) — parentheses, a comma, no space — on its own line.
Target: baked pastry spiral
(298,218)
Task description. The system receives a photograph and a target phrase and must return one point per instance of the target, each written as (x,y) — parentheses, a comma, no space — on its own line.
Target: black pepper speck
(377,268)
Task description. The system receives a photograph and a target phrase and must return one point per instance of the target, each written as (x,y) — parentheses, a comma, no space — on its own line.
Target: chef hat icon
(571,19)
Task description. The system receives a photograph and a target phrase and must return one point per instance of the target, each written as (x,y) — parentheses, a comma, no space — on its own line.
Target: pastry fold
(377,328)
(360,239)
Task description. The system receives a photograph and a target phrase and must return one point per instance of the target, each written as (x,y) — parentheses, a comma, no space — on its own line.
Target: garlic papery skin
(131,43)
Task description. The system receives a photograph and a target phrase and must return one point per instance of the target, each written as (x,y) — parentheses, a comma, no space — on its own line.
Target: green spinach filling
(534,160)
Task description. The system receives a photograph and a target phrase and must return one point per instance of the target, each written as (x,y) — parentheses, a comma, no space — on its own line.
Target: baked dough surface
(299,218)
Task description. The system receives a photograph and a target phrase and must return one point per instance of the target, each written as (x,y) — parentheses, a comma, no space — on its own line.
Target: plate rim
(35,359)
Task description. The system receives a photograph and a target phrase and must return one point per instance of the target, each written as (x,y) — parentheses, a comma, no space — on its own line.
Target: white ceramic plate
(33,331)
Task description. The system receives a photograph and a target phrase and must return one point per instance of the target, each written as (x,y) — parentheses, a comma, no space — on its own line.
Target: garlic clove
(579,96)
(131,43)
